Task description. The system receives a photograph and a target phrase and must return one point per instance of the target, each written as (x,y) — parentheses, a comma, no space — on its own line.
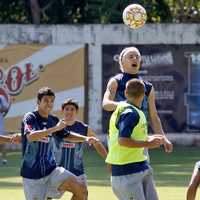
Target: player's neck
(132,74)
(70,123)
(135,102)
(43,113)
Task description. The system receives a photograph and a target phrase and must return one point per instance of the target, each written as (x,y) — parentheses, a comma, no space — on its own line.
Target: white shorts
(138,186)
(48,186)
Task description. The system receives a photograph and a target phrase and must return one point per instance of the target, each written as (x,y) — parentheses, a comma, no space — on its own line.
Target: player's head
(129,60)
(70,109)
(134,89)
(45,99)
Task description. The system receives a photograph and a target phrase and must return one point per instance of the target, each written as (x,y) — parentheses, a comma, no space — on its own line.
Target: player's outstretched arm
(75,137)
(14,139)
(108,100)
(98,145)
(156,122)
(5,139)
(39,134)
(151,142)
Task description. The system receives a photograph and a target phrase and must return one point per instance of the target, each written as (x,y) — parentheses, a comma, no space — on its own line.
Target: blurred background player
(70,154)
(130,60)
(131,173)
(194,182)
(3,109)
(15,138)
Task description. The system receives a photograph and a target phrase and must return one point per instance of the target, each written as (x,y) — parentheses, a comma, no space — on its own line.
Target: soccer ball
(134,16)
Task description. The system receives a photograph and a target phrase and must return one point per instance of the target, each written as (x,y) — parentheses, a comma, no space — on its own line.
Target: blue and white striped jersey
(68,154)
(38,159)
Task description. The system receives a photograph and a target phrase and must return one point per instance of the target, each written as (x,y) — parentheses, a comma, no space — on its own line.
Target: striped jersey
(38,159)
(68,154)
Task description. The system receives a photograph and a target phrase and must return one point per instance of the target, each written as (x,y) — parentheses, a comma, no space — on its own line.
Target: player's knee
(74,186)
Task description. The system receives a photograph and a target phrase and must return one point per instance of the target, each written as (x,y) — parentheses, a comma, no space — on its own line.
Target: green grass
(171,172)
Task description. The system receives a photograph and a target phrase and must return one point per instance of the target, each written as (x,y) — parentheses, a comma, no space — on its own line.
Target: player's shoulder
(81,123)
(129,114)
(118,76)
(30,116)
(129,110)
(147,83)
(54,117)
(148,86)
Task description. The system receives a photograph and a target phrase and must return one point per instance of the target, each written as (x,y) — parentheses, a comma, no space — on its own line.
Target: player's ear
(126,93)
(38,102)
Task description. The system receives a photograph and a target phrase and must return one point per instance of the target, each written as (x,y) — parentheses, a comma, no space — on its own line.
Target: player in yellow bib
(131,173)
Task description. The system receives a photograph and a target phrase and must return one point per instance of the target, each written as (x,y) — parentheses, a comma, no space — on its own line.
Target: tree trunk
(35,11)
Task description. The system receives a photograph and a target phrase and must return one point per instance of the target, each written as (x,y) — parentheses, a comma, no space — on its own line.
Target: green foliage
(95,11)
(13,11)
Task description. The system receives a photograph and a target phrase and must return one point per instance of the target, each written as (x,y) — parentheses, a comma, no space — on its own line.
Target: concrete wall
(95,36)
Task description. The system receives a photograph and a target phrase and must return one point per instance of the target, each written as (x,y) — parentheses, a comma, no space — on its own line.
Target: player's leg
(62,180)
(72,185)
(128,187)
(149,186)
(83,179)
(35,189)
(194,182)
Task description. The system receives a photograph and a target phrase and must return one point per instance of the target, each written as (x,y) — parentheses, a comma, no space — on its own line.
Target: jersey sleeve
(29,122)
(148,87)
(127,122)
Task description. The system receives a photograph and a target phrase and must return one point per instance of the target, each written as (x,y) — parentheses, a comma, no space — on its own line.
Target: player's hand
(92,140)
(168,146)
(60,125)
(109,167)
(155,141)
(16,139)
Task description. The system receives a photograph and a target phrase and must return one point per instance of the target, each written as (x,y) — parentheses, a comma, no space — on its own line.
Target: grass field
(171,172)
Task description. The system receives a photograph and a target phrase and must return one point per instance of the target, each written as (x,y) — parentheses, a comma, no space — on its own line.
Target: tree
(185,10)
(35,11)
(95,11)
(12,11)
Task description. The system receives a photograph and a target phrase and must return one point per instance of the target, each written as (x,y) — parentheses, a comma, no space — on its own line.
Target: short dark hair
(135,88)
(70,101)
(44,91)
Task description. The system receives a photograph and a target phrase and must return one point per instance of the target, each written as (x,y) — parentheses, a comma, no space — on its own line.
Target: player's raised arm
(156,122)
(108,100)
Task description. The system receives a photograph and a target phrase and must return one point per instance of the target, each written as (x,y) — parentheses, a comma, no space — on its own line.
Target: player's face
(131,62)
(70,113)
(45,105)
